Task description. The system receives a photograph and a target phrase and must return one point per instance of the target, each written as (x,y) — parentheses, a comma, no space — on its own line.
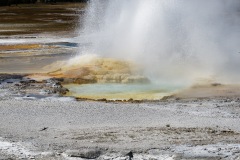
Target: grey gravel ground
(56,125)
(37,123)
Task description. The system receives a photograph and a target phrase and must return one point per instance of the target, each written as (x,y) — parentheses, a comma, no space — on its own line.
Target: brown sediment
(91,69)
(21,50)
(209,90)
(118,101)
(30,21)
(20,47)
(40,18)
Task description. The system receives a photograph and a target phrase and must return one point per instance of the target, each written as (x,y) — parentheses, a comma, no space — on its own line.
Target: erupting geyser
(176,42)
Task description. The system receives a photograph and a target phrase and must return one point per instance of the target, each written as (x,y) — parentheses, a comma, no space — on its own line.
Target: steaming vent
(165,43)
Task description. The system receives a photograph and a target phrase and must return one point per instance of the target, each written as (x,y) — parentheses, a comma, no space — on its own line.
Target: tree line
(16,2)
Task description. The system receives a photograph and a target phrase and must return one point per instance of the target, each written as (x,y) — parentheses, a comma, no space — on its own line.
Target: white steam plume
(177,41)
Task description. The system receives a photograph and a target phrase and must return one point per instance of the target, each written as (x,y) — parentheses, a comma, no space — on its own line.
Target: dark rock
(216,84)
(130,155)
(102,100)
(56,86)
(44,128)
(85,153)
(23,82)
(130,100)
(44,81)
(54,80)
(58,79)
(32,81)
(177,99)
(58,83)
(167,97)
(84,81)
(9,82)
(60,90)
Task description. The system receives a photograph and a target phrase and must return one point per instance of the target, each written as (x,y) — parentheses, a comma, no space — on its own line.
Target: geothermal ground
(38,122)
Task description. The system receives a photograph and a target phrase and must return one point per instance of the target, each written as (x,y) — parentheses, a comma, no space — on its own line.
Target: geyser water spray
(176,41)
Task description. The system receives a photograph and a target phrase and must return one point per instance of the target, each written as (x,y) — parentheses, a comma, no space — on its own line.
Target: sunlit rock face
(93,69)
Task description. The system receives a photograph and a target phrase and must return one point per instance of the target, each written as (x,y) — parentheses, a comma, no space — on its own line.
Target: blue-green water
(121,91)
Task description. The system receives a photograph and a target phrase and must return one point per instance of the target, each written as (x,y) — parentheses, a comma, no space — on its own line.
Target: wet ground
(35,35)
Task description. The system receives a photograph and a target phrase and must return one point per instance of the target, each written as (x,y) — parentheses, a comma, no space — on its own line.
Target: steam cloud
(177,41)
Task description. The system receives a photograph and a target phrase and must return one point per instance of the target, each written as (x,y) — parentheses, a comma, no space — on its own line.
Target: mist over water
(175,41)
